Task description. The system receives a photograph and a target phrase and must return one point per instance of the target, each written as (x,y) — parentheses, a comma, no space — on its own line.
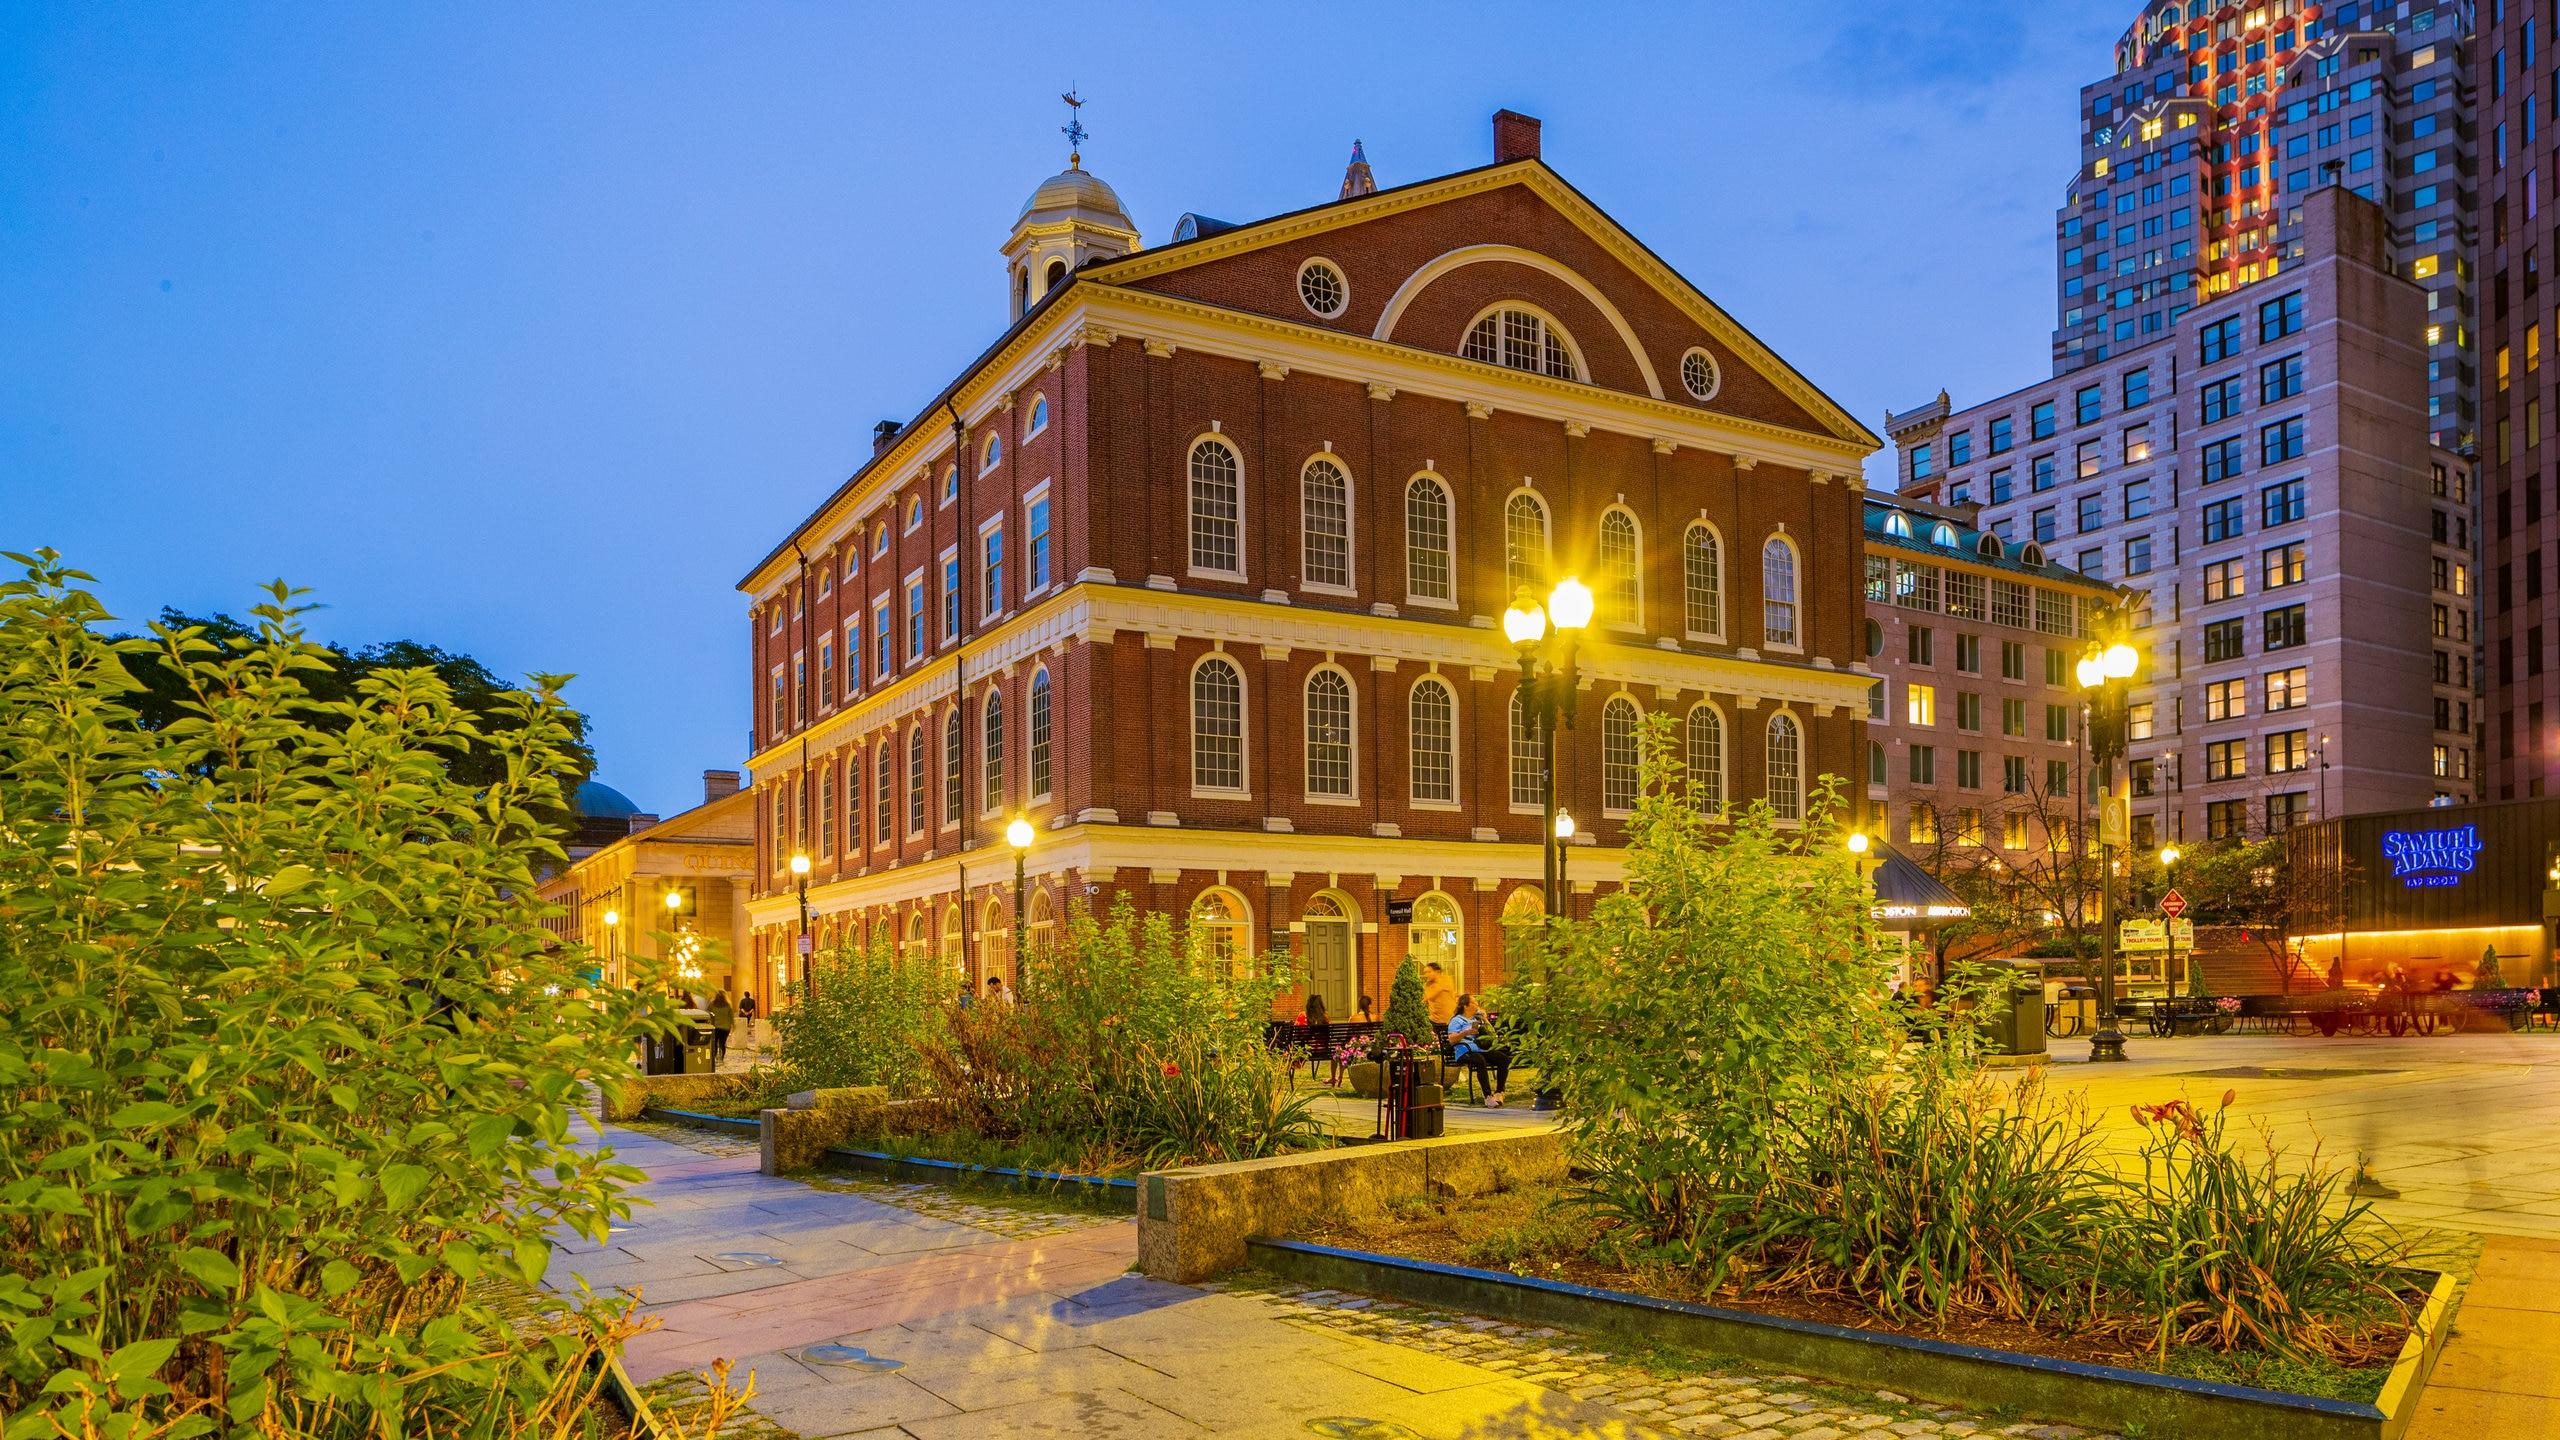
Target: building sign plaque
(2427,859)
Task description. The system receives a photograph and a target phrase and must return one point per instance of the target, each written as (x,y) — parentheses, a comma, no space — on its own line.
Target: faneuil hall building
(1200,567)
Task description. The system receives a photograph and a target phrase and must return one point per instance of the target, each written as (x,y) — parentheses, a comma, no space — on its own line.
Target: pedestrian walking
(724,1018)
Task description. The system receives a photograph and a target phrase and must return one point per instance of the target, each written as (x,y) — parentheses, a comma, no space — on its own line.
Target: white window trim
(1804,757)
(919,600)
(1031,497)
(1350,528)
(1035,415)
(1723,813)
(992,525)
(825,680)
(1339,274)
(991,453)
(1457,733)
(1715,369)
(1636,735)
(993,697)
(1796,554)
(1724,581)
(1243,790)
(1572,348)
(1449,499)
(1039,673)
(1306,739)
(1243,518)
(1635,625)
(949,567)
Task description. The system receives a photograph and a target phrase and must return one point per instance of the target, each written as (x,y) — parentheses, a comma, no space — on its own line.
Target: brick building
(2260,476)
(1199,567)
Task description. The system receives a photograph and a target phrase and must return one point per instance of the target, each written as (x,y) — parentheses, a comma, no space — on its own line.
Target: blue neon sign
(2427,859)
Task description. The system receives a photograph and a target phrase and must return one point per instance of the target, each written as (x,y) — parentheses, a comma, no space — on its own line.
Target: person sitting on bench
(1472,1044)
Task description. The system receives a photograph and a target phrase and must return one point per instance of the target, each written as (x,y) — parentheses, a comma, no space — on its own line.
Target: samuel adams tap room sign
(2438,867)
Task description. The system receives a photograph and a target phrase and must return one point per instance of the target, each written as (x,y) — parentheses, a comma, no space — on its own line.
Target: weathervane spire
(1074,128)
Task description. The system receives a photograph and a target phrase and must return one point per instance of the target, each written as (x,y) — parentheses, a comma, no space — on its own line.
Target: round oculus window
(1698,373)
(1322,287)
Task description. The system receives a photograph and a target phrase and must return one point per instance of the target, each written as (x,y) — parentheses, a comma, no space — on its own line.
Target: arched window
(1221,932)
(993,452)
(1432,713)
(853,803)
(1621,570)
(919,934)
(884,793)
(1943,535)
(1786,767)
(1702,582)
(915,779)
(1217,726)
(1988,547)
(1039,734)
(1329,734)
(1897,523)
(915,511)
(1217,516)
(1324,524)
(951,800)
(1875,762)
(1522,340)
(1436,936)
(1524,543)
(995,939)
(1039,420)
(1426,540)
(1528,759)
(954,939)
(1778,592)
(1043,921)
(1621,763)
(827,810)
(992,734)
(1706,756)
(1057,271)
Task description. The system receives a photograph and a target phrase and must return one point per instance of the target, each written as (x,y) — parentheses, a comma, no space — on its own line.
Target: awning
(1909,897)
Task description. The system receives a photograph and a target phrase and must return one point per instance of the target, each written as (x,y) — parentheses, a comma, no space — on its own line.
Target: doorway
(1330,954)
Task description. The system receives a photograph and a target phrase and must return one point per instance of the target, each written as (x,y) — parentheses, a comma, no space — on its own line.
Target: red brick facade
(1135,362)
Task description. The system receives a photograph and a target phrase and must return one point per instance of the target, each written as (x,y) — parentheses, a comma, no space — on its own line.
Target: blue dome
(599,801)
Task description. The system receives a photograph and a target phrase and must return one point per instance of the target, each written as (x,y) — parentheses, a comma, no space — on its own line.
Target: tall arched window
(1217,511)
(1329,734)
(951,766)
(826,810)
(993,452)
(1039,734)
(1621,761)
(1426,540)
(1621,570)
(1706,756)
(1702,582)
(1524,543)
(1786,767)
(1043,920)
(1217,726)
(993,737)
(884,793)
(919,934)
(1039,418)
(1221,932)
(915,779)
(954,939)
(1324,524)
(1528,759)
(1436,936)
(1778,592)
(1521,340)
(1432,715)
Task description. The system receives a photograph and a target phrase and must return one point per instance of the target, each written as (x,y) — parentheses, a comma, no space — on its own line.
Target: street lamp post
(612,946)
(2169,923)
(800,882)
(1547,636)
(2103,673)
(1019,835)
(1564,838)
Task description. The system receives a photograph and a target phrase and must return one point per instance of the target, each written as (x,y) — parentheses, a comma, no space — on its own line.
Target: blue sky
(525,330)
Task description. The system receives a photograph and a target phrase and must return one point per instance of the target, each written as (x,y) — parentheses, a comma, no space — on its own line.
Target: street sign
(2151,937)
(1399,912)
(2173,904)
(2115,821)
(804,944)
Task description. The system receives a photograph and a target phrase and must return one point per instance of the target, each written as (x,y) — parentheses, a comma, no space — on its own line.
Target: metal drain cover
(851,1357)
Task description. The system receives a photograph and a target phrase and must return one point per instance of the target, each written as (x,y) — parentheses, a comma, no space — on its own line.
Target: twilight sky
(524,330)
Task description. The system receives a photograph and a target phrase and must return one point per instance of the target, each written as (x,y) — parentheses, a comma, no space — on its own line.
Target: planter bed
(742,1125)
(1118,1189)
(2104,1396)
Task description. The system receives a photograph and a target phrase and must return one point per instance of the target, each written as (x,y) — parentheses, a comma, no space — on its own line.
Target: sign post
(2173,905)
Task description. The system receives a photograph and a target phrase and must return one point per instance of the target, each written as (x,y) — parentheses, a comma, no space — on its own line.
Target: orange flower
(1171,1069)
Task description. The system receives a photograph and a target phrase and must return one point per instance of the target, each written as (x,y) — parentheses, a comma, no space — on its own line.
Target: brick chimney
(886,431)
(718,785)
(1515,136)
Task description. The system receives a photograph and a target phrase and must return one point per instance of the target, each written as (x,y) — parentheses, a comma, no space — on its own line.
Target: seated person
(1472,1044)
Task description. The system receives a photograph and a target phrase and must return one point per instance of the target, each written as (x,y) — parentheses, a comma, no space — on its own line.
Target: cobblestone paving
(692,1137)
(1013,1216)
(1672,1395)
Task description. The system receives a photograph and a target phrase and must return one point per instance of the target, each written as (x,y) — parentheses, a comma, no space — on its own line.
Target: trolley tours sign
(2428,859)
(2151,937)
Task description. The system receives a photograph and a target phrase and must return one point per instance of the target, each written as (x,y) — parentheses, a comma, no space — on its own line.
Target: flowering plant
(2227,1004)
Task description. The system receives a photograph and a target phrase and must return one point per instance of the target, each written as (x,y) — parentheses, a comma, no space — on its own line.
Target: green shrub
(868,1019)
(1408,1017)
(290,1058)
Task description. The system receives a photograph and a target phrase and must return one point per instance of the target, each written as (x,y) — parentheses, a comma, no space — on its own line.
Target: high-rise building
(1197,572)
(2221,116)
(2520,164)
(2259,474)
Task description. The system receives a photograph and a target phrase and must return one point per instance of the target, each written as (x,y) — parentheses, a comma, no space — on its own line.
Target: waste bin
(697,1050)
(2014,1024)
(661,1055)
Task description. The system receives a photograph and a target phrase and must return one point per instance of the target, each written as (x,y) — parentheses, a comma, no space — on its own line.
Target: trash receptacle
(697,1050)
(661,1055)
(2026,1011)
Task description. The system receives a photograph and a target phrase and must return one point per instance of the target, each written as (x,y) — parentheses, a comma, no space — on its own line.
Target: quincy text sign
(2424,859)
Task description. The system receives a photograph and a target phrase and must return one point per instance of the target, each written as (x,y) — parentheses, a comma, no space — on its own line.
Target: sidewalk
(2495,1376)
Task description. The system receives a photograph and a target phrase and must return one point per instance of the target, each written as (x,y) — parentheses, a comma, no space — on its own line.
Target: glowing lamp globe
(1570,603)
(1019,834)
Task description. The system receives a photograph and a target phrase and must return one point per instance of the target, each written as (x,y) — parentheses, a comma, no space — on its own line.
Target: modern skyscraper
(2220,117)
(2514,82)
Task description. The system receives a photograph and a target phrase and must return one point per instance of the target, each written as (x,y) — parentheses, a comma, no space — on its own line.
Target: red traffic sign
(2173,904)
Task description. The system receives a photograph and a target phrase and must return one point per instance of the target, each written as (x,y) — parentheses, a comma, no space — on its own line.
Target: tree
(166,694)
(2044,897)
(1406,1014)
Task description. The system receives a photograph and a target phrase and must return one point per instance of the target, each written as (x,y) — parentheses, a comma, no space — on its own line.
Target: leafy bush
(1408,1016)
(290,1059)
(868,1019)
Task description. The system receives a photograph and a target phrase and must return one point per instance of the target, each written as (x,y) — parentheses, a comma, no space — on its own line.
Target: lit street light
(2103,673)
(1564,836)
(1546,637)
(800,881)
(1019,835)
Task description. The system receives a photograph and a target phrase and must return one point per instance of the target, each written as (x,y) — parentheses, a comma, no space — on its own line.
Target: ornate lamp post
(612,945)
(1019,835)
(1546,637)
(800,882)
(2103,673)
(1564,839)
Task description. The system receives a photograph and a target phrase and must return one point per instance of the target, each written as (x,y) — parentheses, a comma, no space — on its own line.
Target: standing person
(747,1017)
(1438,995)
(724,1018)
(1319,1036)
